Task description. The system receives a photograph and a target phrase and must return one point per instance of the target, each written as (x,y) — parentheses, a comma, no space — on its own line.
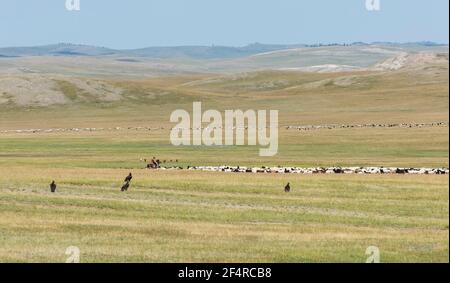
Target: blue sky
(142,23)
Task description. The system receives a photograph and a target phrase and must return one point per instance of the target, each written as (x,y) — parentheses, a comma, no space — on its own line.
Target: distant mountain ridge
(195,52)
(192,52)
(61,49)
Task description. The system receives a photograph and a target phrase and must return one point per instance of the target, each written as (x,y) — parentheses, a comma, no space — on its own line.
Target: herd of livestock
(315,170)
(300,128)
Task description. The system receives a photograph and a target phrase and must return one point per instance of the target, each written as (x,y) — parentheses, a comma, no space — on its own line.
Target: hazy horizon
(138,24)
(230,46)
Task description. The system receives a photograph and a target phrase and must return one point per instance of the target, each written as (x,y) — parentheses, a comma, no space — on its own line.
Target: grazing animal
(128,178)
(287,188)
(53,187)
(125,187)
(401,171)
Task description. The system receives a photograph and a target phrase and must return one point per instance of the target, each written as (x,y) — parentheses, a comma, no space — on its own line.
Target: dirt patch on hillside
(404,60)
(30,91)
(36,90)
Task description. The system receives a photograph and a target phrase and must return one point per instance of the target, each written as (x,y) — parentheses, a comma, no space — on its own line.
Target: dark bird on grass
(125,187)
(128,178)
(53,187)
(287,188)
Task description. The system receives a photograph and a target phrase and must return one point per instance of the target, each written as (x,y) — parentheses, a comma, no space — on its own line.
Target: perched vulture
(53,187)
(128,178)
(125,187)
(287,189)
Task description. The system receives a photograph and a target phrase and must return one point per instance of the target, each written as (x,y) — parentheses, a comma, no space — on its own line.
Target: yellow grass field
(187,216)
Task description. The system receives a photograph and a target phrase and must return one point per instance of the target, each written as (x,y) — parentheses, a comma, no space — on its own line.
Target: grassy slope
(301,99)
